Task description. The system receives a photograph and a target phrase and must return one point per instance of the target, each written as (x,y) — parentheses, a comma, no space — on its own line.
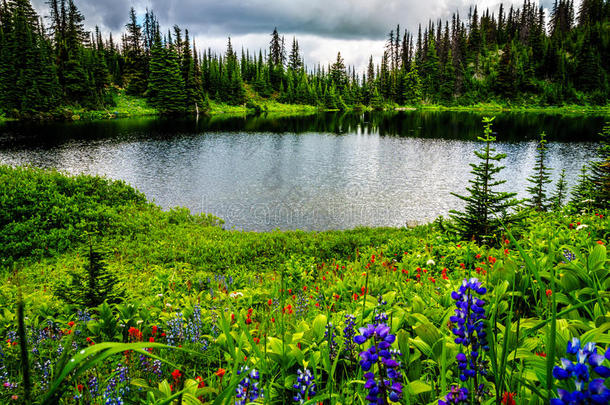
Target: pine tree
(412,87)
(600,172)
(430,72)
(136,68)
(559,195)
(338,74)
(93,287)
(165,84)
(484,204)
(505,83)
(539,179)
(294,59)
(582,195)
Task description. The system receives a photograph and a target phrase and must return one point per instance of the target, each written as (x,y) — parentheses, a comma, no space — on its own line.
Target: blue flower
(588,360)
(469,330)
(305,386)
(248,389)
(455,396)
(386,385)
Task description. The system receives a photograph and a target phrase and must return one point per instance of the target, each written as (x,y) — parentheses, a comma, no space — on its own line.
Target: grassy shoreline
(130,107)
(497,108)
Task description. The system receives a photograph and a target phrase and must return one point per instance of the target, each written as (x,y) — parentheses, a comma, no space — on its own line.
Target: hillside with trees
(516,56)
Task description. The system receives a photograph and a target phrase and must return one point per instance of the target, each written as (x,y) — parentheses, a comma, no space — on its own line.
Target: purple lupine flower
(457,396)
(469,330)
(305,386)
(386,385)
(588,360)
(470,334)
(248,389)
(348,335)
(329,336)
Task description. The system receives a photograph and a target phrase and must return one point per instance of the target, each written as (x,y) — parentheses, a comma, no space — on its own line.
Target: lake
(325,171)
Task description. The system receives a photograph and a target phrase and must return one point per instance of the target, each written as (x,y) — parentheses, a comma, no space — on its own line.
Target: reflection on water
(316,172)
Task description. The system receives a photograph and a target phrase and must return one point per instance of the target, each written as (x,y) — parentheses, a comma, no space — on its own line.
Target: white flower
(168,305)
(430,263)
(159,295)
(581,226)
(236,294)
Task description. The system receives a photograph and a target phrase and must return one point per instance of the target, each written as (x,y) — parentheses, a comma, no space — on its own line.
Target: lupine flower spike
(588,362)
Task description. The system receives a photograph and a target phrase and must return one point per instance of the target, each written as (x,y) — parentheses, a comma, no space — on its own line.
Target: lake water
(327,171)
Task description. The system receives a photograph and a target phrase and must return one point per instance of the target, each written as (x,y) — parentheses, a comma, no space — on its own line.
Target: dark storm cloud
(341,19)
(109,15)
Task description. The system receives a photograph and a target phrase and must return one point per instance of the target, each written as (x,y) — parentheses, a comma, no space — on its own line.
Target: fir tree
(135,62)
(294,59)
(582,195)
(93,287)
(558,197)
(485,207)
(505,83)
(338,74)
(539,179)
(165,84)
(600,172)
(412,87)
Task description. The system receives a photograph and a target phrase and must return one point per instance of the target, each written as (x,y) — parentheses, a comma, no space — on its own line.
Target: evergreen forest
(511,56)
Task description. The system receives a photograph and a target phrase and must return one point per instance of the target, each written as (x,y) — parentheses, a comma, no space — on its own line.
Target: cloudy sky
(356,28)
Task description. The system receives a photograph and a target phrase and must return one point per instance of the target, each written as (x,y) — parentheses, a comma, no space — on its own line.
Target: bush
(44,211)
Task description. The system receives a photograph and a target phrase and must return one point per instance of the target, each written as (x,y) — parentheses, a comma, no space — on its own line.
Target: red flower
(151,339)
(176,374)
(269,302)
(599,242)
(80,387)
(541,354)
(478,256)
(508,398)
(200,381)
(462,265)
(505,251)
(220,373)
(549,292)
(154,329)
(248,320)
(71,323)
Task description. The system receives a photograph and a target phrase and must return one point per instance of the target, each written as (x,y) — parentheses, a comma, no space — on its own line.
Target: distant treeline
(510,55)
